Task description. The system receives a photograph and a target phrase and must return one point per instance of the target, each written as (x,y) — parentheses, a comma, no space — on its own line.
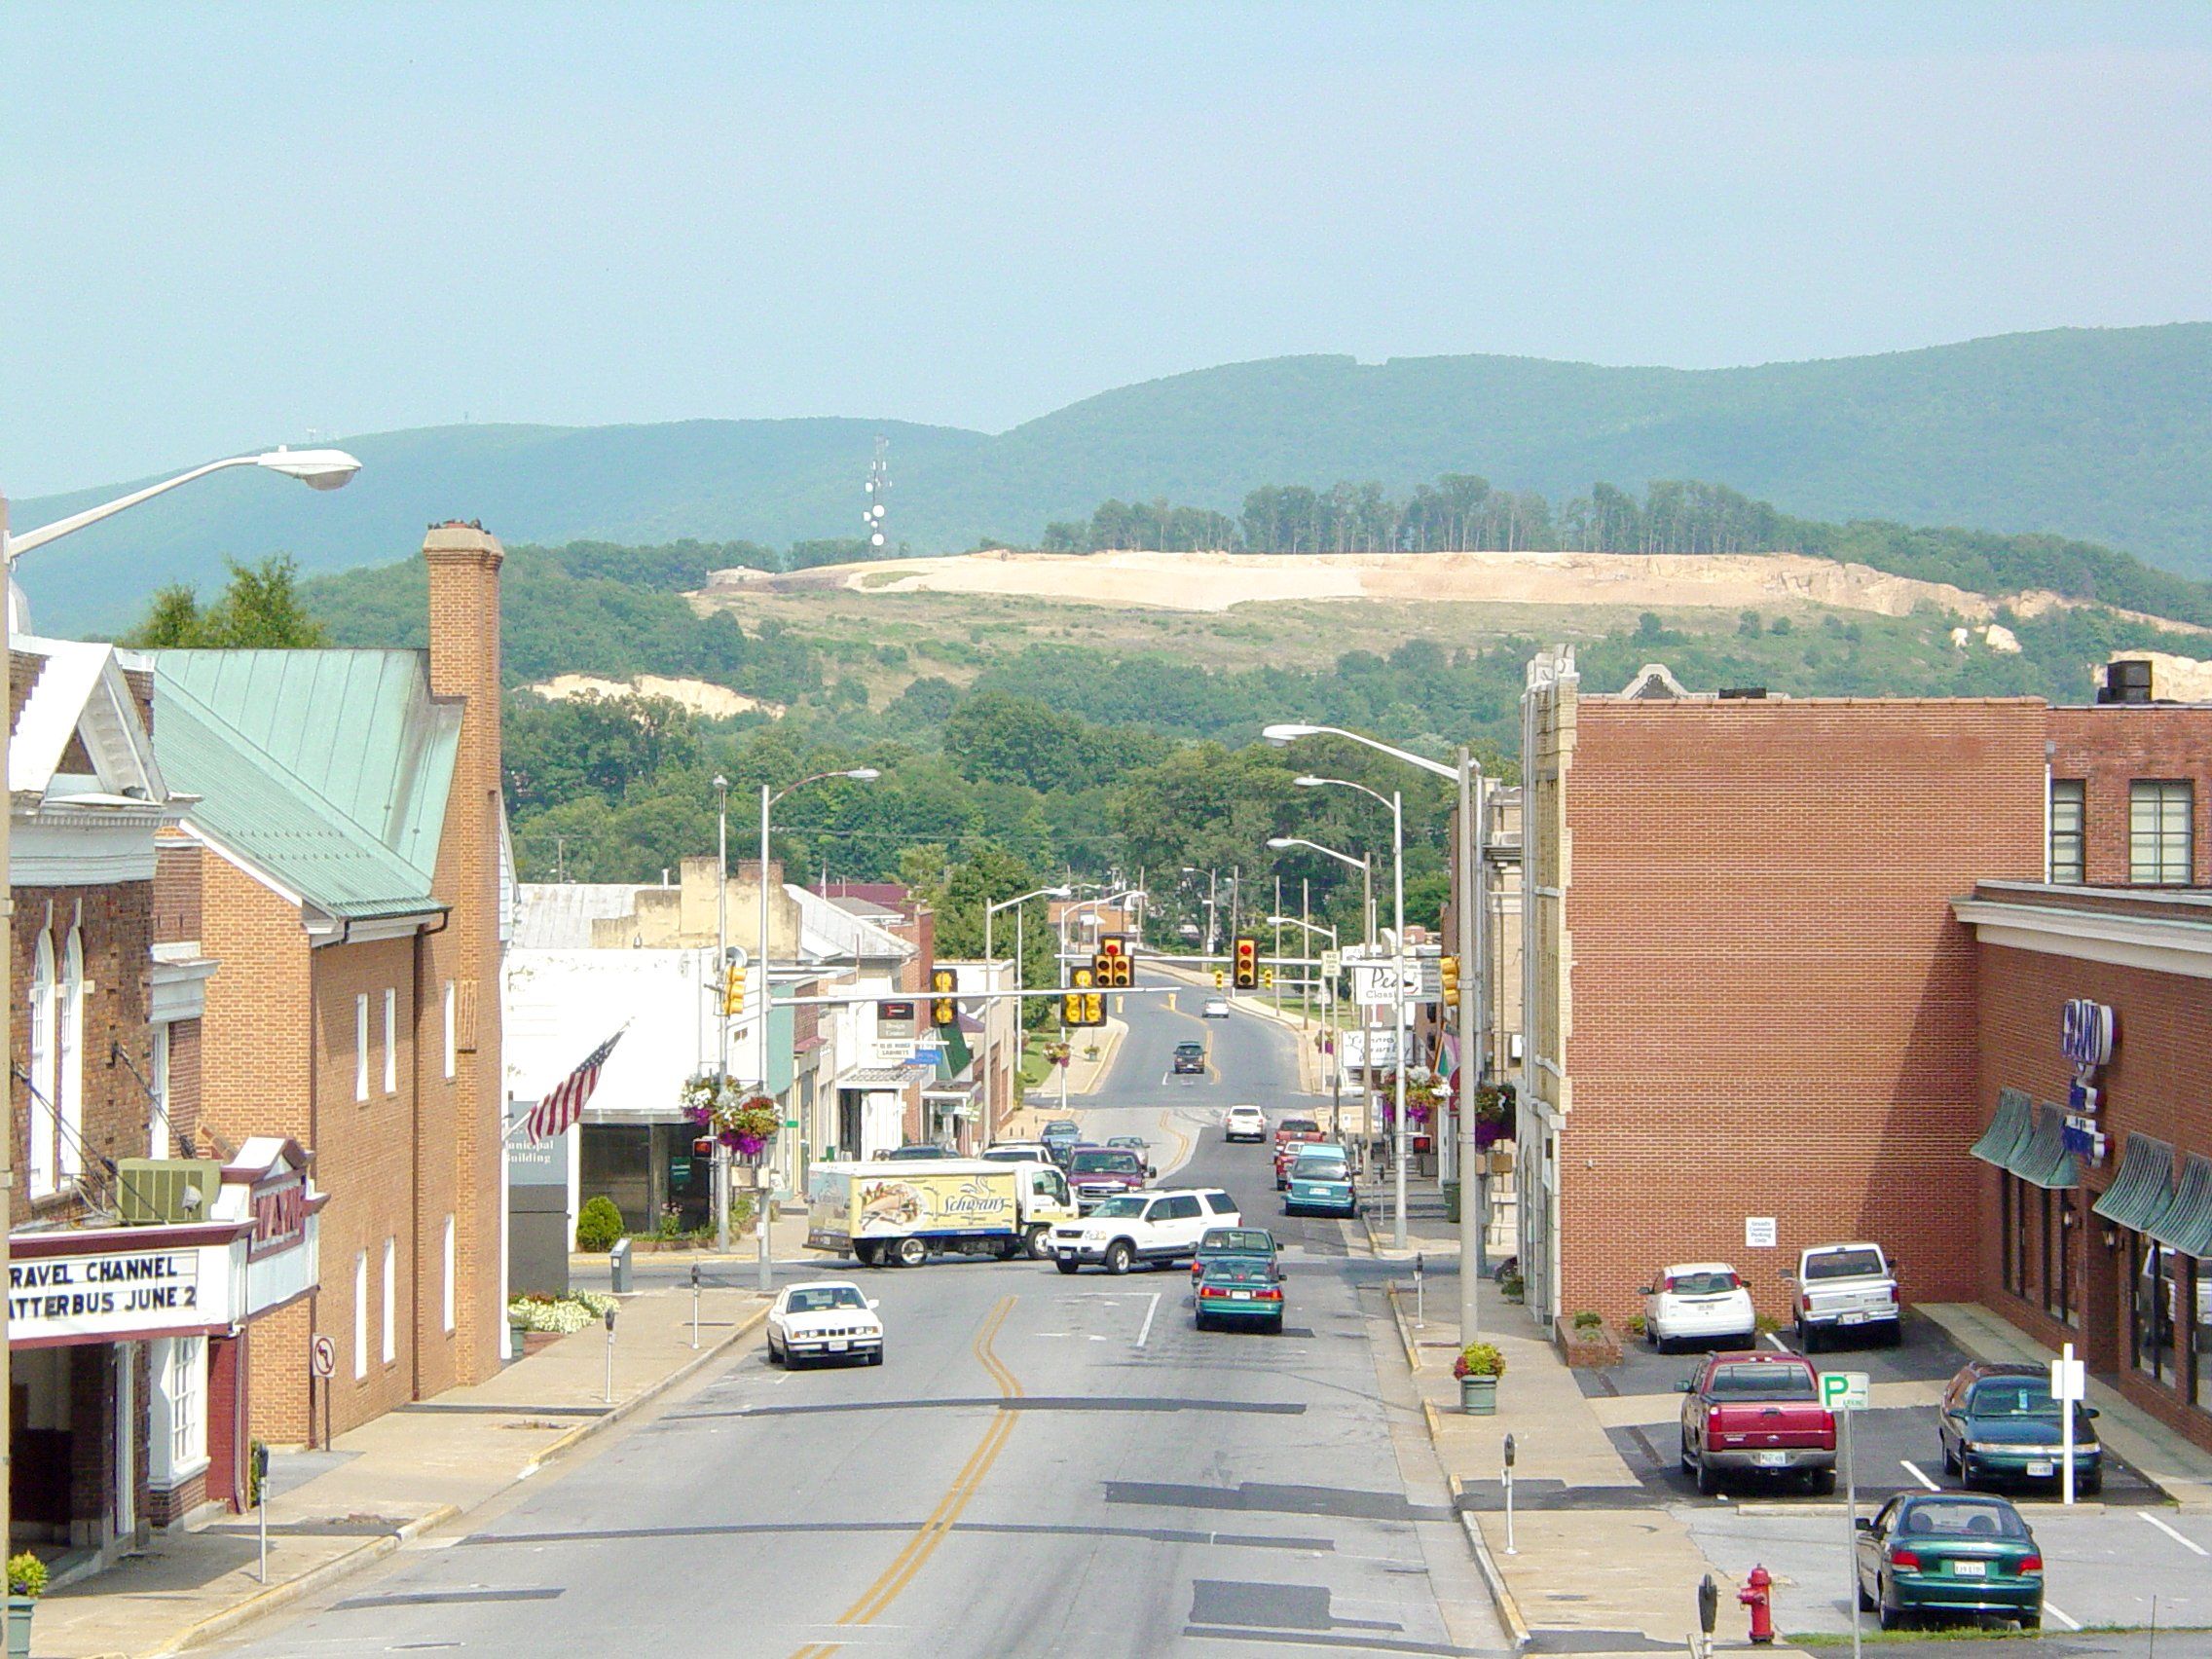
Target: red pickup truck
(1752,1413)
(1291,1133)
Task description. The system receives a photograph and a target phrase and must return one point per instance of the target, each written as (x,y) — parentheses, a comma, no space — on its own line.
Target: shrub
(1511,1287)
(253,1474)
(1637,1325)
(1478,1360)
(599,1226)
(1588,1321)
(561,1315)
(26,1575)
(1765,1324)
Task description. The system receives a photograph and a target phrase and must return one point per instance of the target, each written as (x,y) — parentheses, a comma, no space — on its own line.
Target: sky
(248,224)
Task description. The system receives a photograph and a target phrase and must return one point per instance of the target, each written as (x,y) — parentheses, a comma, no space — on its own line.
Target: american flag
(559,1111)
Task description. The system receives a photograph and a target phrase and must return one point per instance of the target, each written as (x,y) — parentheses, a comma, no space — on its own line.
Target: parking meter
(1708,1606)
(694,1306)
(611,1356)
(1509,1450)
(261,1501)
(1505,1478)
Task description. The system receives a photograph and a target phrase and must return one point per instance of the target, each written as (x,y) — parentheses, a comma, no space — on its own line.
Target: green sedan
(1998,1423)
(1949,1553)
(1239,1291)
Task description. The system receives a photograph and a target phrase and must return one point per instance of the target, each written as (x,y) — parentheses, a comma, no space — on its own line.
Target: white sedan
(826,1319)
(1217,1008)
(1703,1302)
(1244,1123)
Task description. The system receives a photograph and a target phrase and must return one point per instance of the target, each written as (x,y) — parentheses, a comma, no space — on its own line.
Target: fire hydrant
(1755,1596)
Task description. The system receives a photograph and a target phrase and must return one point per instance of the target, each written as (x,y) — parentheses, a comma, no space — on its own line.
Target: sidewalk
(1029,1120)
(334,1512)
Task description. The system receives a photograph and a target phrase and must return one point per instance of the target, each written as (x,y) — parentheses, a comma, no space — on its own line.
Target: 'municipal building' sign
(117,1295)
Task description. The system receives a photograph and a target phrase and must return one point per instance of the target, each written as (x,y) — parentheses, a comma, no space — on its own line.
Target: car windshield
(1188,1049)
(2015,1396)
(1010,1155)
(1130,1141)
(823,1298)
(1843,1263)
(1237,1269)
(1319,1169)
(1763,1382)
(1701,1284)
(1237,1241)
(1962,1519)
(1115,1207)
(1106,1163)
(1053,1131)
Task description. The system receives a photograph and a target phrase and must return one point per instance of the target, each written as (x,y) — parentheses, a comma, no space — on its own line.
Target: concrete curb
(645,1396)
(276,1595)
(1503,1603)
(1406,1341)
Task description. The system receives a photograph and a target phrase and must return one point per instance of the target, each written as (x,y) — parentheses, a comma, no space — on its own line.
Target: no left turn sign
(324,1357)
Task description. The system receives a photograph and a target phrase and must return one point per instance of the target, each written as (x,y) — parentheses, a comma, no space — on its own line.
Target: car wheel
(1119,1256)
(1889,1617)
(912,1252)
(2031,1621)
(1865,1602)
(1066,1263)
(2088,1486)
(1950,1463)
(1707,1478)
(1198,1322)
(775,1356)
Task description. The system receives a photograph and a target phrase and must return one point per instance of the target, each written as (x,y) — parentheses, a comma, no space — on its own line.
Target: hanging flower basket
(744,1122)
(1058,1054)
(1424,1096)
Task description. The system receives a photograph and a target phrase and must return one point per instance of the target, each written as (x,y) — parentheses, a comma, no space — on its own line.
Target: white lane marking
(1780,1346)
(1153,1307)
(2186,1542)
(2061,1615)
(1914,1470)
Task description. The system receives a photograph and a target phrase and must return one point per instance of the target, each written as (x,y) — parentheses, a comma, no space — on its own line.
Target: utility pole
(720,1166)
(1474,1036)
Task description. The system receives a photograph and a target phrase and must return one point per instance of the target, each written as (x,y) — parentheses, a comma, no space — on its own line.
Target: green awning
(2186,1226)
(2143,1188)
(2008,1132)
(2045,1160)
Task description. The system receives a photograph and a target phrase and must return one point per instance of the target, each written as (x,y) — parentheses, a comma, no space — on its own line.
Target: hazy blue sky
(234,225)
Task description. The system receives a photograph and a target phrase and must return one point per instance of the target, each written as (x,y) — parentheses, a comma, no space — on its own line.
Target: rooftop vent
(2127,680)
(1743,693)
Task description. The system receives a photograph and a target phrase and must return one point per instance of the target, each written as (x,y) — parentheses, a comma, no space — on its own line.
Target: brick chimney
(458,1145)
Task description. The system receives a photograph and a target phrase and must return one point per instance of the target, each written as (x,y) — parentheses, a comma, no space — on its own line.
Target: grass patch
(1970,1633)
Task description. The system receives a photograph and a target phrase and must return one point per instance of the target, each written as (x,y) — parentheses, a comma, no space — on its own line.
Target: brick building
(343,865)
(1753,1012)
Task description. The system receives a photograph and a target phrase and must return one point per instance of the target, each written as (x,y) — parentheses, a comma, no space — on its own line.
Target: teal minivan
(1320,1182)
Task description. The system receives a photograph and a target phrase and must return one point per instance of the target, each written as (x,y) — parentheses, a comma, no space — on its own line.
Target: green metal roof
(2008,1132)
(2185,1225)
(327,768)
(2043,1162)
(2144,1186)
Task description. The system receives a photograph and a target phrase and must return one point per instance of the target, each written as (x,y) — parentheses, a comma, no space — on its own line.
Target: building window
(449,1273)
(2067,808)
(178,1445)
(361,1046)
(158,1140)
(391,1300)
(360,1314)
(2201,1331)
(2059,1300)
(392,1042)
(2151,1337)
(41,1088)
(451,1050)
(70,1056)
(2158,839)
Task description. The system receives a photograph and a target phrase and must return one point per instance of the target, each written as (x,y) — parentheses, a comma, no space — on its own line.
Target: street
(1042,1465)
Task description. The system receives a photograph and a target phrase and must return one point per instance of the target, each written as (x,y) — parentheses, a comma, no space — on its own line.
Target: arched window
(69,1057)
(39,1151)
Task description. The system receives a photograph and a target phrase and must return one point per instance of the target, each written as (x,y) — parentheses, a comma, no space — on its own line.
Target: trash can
(618,1265)
(1452,1202)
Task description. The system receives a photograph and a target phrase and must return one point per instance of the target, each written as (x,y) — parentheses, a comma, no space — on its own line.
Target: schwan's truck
(901,1214)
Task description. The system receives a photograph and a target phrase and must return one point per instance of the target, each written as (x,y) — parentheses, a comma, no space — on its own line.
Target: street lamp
(320,469)
(1020,1006)
(768,799)
(1471,880)
(1396,803)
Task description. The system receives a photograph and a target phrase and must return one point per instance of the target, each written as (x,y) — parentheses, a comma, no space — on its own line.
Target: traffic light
(733,989)
(942,983)
(1219,978)
(1080,1003)
(1247,963)
(1448,970)
(1114,966)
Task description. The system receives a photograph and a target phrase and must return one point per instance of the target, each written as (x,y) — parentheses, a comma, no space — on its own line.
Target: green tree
(261,610)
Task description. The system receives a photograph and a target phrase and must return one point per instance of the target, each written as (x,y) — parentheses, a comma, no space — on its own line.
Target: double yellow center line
(923,1544)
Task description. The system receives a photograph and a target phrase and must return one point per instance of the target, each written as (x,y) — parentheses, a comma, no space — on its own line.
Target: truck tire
(1805,1343)
(1708,1482)
(864,1254)
(910,1252)
(1041,1243)
(1067,1264)
(1119,1256)
(1823,1483)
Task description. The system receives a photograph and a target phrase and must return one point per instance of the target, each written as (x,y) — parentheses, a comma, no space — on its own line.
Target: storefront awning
(2186,1226)
(2008,1132)
(2045,1160)
(2143,1188)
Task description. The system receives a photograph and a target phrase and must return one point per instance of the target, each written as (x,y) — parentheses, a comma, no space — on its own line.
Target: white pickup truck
(1846,1288)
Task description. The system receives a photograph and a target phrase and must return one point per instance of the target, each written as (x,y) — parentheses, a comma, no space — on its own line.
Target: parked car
(1943,1552)
(1291,1134)
(1143,1228)
(1843,1289)
(1060,1137)
(1216,1008)
(1218,1243)
(1244,1123)
(824,1319)
(1321,1181)
(1017,1151)
(1698,1302)
(1753,1412)
(1190,1057)
(1101,1172)
(1239,1290)
(1130,1143)
(1998,1423)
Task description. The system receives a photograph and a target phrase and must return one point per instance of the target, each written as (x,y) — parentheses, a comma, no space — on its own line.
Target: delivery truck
(901,1213)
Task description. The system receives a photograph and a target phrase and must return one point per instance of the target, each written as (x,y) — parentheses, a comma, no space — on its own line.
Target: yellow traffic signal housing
(1246,961)
(1218,978)
(733,989)
(1094,1009)
(944,1013)
(1080,1004)
(1448,970)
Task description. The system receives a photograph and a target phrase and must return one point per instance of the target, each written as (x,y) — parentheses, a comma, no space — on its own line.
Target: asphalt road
(1042,1465)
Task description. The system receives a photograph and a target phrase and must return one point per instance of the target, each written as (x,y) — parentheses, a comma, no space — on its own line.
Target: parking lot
(1894,1444)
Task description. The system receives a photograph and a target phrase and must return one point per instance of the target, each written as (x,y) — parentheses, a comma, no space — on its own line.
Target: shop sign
(280,1215)
(54,1300)
(2086,1039)
(895,1013)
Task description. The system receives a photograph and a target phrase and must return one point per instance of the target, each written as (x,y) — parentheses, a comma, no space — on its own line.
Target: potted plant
(1511,1287)
(1477,1368)
(743,1123)
(26,1583)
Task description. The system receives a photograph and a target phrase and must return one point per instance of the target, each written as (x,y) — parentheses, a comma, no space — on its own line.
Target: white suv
(1244,1123)
(1144,1227)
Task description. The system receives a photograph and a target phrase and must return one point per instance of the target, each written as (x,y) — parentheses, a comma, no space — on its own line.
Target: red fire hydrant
(1753,1594)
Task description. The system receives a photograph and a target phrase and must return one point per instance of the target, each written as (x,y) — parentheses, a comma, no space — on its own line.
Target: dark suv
(1190,1057)
(1101,1172)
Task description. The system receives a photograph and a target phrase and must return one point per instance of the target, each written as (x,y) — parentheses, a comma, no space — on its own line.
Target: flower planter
(1478,1396)
(20,1608)
(1586,1347)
